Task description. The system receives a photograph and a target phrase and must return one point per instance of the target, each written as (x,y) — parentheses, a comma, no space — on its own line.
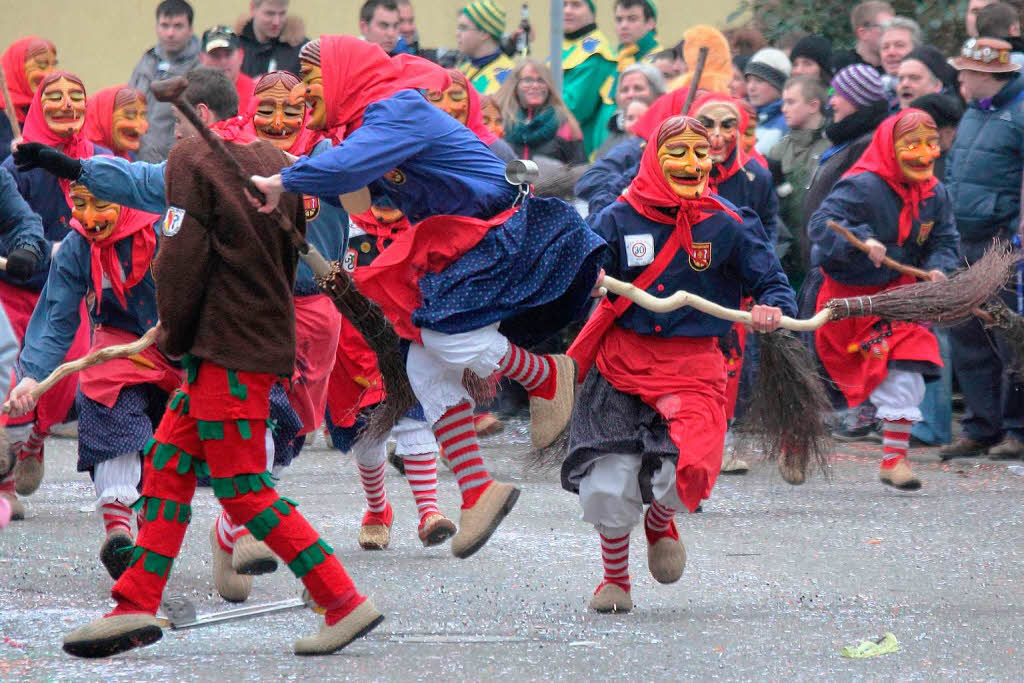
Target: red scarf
(649,193)
(237,129)
(103,255)
(475,117)
(13,64)
(385,233)
(733,163)
(99,118)
(668,105)
(357,73)
(78,146)
(880,158)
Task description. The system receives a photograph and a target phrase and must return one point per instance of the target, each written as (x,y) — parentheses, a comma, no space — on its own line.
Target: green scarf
(530,131)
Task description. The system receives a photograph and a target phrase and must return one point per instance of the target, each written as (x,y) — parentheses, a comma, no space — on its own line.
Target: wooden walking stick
(12,115)
(89,360)
(364,314)
(698,71)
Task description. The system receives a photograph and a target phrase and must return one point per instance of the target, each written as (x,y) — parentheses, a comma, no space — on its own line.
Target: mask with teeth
(129,121)
(684,154)
(63,103)
(916,143)
(98,217)
(276,119)
(722,119)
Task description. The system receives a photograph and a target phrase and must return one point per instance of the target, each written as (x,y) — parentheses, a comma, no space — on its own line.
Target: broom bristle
(1009,326)
(948,302)
(789,409)
(382,339)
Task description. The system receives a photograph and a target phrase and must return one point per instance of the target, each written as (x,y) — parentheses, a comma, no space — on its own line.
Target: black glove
(22,264)
(37,155)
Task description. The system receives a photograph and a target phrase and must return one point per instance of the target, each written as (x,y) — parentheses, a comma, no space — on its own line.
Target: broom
(364,314)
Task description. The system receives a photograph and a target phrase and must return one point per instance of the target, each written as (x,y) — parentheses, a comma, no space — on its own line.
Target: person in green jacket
(590,68)
(636,23)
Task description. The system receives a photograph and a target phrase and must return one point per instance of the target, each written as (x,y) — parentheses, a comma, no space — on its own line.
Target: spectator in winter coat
(639,82)
(922,72)
(983,174)
(812,56)
(175,54)
(537,121)
(271,38)
(866,21)
(766,73)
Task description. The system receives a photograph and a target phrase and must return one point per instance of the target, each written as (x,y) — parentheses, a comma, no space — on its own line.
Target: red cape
(99,118)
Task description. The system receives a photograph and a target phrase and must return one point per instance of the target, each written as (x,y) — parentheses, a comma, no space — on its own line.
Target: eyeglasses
(984,54)
(532,81)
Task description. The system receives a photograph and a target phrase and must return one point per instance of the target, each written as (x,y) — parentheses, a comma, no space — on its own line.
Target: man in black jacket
(271,38)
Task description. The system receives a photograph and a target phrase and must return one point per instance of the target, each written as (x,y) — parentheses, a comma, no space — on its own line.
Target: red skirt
(856,352)
(103,383)
(317,329)
(355,381)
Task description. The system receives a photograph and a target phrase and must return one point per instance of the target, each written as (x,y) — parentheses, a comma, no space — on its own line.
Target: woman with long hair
(537,122)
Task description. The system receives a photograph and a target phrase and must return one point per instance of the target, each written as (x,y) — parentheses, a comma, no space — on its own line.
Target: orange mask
(277,120)
(311,90)
(40,60)
(64,107)
(685,159)
(454,100)
(722,121)
(129,123)
(386,215)
(916,152)
(492,118)
(96,216)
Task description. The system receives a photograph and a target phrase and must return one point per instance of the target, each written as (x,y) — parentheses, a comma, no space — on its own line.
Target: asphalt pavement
(778,580)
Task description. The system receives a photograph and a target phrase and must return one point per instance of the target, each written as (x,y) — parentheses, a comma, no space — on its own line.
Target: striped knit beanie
(488,16)
(860,84)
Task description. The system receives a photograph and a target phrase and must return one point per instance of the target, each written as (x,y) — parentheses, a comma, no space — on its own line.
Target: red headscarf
(306,140)
(99,117)
(357,73)
(650,191)
(880,158)
(236,129)
(13,64)
(475,113)
(104,261)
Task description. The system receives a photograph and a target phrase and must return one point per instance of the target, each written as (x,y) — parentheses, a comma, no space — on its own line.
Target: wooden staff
(698,71)
(887,262)
(12,116)
(89,360)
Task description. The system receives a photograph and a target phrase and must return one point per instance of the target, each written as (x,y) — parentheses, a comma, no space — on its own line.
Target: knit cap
(860,84)
(818,49)
(488,16)
(770,64)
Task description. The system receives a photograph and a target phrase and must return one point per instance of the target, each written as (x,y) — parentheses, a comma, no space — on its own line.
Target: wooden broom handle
(87,361)
(887,262)
(681,298)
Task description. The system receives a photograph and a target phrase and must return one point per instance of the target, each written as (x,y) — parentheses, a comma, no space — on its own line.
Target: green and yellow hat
(488,16)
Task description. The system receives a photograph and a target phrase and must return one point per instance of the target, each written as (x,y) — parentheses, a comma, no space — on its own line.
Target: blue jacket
(140,185)
(416,155)
(742,260)
(6,136)
(983,169)
(771,126)
(752,187)
(866,205)
(20,227)
(55,320)
(610,175)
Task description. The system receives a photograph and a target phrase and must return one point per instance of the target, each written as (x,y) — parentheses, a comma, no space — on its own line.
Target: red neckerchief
(13,64)
(357,73)
(235,129)
(103,255)
(384,232)
(880,158)
(99,117)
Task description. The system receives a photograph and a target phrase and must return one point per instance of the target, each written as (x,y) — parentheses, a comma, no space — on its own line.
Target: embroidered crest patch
(311,205)
(639,250)
(172,221)
(701,257)
(926,229)
(395,177)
